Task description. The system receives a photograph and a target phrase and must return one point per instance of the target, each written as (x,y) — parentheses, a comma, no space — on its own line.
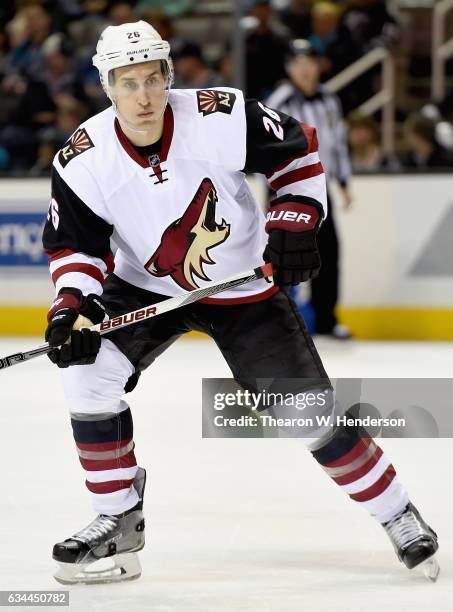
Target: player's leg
(103,429)
(365,473)
(101,420)
(103,432)
(268,339)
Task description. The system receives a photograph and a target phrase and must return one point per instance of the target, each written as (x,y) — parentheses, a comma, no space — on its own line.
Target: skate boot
(114,539)
(414,541)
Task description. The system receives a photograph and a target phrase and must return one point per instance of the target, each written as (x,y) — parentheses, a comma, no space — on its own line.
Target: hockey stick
(149,312)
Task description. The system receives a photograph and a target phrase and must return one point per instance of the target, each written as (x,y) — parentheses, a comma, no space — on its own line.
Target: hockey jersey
(183,216)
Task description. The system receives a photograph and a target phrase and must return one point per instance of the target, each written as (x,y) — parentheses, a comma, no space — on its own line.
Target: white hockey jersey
(183,216)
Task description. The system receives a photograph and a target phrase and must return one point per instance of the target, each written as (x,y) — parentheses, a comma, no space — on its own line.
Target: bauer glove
(292,223)
(68,317)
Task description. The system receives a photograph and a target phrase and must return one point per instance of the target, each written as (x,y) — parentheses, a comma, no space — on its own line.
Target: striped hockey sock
(361,468)
(106,451)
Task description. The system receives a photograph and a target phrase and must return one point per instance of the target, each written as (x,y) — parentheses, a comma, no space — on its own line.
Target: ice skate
(414,541)
(106,550)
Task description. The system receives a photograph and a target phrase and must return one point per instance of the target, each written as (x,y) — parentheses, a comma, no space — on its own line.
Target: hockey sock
(106,451)
(361,468)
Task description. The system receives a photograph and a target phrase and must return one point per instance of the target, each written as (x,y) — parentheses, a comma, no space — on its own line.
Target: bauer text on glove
(292,223)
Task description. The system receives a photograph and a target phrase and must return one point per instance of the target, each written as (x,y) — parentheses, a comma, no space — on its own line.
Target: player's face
(140,93)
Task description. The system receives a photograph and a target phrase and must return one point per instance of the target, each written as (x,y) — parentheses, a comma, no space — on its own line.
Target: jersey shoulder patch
(77,144)
(215,101)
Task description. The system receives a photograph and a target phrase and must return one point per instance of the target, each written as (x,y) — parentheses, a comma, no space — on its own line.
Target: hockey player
(162,173)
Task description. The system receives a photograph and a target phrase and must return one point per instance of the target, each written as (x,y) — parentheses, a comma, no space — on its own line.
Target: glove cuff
(68,297)
(294,214)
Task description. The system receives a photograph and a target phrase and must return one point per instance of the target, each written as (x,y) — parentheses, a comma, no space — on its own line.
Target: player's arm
(286,151)
(77,241)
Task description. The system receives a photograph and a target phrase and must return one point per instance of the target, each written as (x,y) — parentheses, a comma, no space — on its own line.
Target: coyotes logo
(213,101)
(77,144)
(185,244)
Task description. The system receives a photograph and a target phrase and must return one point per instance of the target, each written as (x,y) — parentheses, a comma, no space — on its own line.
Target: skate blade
(430,568)
(119,568)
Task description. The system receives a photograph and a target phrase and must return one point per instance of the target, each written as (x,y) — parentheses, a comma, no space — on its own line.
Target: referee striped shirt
(323,112)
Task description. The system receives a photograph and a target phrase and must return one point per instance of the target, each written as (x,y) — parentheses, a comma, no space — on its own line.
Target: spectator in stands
(330,39)
(305,99)
(70,113)
(371,23)
(122,12)
(424,149)
(65,11)
(265,51)
(85,32)
(191,70)
(365,146)
(297,17)
(90,91)
(17,30)
(12,84)
(59,73)
(160,22)
(27,57)
(15,34)
(226,67)
(35,110)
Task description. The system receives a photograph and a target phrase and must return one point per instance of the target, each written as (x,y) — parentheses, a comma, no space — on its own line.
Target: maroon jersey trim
(247,299)
(169,124)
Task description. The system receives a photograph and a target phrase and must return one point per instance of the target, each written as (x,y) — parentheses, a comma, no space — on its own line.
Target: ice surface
(232,525)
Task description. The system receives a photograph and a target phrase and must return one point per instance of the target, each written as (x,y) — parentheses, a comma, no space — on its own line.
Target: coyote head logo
(185,244)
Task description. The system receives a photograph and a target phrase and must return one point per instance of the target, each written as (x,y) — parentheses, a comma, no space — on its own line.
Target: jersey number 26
(270,125)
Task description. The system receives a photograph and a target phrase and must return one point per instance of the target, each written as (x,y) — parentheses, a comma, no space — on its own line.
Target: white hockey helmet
(129,44)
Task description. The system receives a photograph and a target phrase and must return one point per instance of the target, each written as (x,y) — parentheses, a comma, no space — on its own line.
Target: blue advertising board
(21,239)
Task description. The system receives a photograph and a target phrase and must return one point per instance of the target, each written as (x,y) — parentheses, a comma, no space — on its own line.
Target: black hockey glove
(70,312)
(292,223)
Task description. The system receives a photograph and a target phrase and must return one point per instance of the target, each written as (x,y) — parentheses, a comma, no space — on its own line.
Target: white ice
(232,525)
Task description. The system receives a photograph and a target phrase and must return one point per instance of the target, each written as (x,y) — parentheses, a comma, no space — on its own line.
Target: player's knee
(307,415)
(98,388)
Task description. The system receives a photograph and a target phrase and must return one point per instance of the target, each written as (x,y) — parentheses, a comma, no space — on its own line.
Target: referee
(305,99)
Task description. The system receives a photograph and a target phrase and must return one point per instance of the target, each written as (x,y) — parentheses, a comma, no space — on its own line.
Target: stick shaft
(149,312)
